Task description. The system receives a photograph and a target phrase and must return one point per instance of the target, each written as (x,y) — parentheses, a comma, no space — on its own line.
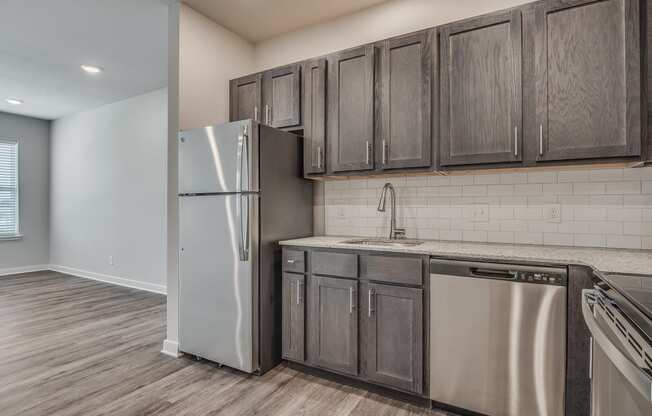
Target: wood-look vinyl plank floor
(76,347)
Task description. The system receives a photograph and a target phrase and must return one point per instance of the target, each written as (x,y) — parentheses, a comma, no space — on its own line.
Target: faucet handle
(399,233)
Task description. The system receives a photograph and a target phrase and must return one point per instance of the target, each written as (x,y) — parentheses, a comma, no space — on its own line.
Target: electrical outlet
(552,213)
(481,213)
(110,260)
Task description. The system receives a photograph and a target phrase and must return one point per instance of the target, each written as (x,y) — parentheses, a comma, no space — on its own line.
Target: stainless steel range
(618,313)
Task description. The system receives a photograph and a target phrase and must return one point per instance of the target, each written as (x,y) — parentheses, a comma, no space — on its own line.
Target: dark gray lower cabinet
(294,311)
(393,317)
(333,323)
(357,314)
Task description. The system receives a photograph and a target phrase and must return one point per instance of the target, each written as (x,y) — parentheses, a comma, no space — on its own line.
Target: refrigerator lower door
(216,287)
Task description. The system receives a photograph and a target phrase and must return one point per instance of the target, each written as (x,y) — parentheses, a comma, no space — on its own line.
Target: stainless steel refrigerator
(241,190)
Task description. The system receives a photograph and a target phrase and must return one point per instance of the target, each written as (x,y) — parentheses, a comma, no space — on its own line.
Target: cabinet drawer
(334,264)
(294,261)
(394,269)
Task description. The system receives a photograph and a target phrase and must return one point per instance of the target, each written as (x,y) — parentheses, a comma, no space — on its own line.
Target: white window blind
(8,188)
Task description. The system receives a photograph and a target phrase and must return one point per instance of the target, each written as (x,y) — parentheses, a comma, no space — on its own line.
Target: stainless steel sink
(383,242)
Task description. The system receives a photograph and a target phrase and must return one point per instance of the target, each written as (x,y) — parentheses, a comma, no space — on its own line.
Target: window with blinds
(8,188)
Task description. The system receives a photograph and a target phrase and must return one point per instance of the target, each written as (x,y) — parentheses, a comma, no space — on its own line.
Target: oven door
(621,369)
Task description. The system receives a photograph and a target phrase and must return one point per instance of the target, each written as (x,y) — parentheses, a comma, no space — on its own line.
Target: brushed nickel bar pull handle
(540,139)
(318,157)
(256,113)
(298,292)
(351,299)
(367,157)
(291,261)
(270,117)
(515,140)
(385,149)
(370,310)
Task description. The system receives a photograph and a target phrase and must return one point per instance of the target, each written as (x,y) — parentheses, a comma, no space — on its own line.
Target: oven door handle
(627,368)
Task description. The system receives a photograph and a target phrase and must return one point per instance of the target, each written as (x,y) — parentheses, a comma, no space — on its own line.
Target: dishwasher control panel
(540,277)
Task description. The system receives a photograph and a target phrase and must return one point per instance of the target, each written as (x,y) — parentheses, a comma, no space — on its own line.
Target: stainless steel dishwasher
(498,337)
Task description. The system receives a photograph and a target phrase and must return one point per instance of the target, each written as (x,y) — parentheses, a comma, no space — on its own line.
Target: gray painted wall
(108,190)
(34,148)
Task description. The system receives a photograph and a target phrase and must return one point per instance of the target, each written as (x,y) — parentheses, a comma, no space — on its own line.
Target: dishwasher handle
(493,273)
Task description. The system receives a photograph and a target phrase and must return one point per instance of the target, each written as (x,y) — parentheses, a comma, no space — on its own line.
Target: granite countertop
(600,259)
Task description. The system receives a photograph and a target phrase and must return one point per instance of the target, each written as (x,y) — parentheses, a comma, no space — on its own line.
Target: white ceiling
(257,20)
(43,42)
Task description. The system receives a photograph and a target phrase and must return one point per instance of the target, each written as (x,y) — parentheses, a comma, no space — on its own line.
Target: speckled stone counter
(603,260)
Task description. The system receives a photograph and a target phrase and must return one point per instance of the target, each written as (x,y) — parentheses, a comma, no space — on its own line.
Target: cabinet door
(481,96)
(282,95)
(588,79)
(394,328)
(294,316)
(245,99)
(333,324)
(314,116)
(351,109)
(406,97)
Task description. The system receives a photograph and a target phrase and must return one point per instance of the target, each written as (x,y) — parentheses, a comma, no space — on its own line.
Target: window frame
(17,234)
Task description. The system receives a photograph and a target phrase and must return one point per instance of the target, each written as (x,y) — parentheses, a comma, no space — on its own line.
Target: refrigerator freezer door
(218,159)
(216,292)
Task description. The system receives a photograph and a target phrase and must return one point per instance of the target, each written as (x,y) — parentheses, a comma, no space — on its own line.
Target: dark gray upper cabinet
(294,316)
(314,116)
(394,325)
(481,95)
(333,324)
(351,109)
(245,101)
(588,79)
(405,88)
(282,96)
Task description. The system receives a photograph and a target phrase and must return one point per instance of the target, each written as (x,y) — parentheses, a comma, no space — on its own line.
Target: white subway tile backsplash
(638,228)
(506,237)
(462,180)
(646,243)
(624,241)
(590,240)
(513,178)
(621,188)
(606,175)
(528,238)
(573,176)
(558,239)
(500,190)
(599,207)
(475,236)
(542,177)
(558,188)
(647,187)
(587,188)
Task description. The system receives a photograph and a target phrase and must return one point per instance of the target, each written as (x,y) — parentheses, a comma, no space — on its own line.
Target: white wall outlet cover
(552,213)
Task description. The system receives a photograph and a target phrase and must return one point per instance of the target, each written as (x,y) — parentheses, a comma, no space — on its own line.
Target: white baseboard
(171,348)
(24,269)
(120,281)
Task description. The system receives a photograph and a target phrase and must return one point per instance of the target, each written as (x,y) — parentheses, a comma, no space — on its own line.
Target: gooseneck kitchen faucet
(394,233)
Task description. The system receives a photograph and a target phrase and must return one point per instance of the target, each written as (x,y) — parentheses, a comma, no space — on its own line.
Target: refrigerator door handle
(243,214)
(242,156)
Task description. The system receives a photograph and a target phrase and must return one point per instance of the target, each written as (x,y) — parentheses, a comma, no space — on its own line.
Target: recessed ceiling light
(14,101)
(92,69)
